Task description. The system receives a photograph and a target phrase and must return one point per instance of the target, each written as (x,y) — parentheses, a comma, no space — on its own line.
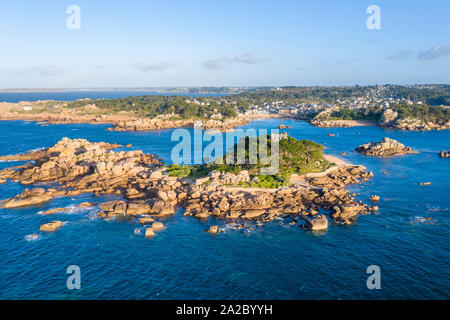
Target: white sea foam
(422,220)
(33,237)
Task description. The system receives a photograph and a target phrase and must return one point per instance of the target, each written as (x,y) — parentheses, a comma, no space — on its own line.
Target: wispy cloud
(347,60)
(222,62)
(399,55)
(339,61)
(99,67)
(434,53)
(156,66)
(50,70)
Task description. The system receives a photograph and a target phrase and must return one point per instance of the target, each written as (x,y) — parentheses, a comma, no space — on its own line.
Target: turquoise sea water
(272,262)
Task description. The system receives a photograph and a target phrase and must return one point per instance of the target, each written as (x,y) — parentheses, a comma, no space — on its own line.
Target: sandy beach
(358,123)
(336,160)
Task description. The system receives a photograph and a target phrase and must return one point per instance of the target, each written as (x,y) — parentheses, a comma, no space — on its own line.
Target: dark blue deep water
(75,95)
(272,262)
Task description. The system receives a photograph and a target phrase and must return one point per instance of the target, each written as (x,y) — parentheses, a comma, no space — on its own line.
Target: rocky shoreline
(341,123)
(120,121)
(159,124)
(78,166)
(391,119)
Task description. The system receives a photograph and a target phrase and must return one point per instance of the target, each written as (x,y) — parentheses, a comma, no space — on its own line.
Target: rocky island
(387,147)
(146,113)
(151,190)
(160,123)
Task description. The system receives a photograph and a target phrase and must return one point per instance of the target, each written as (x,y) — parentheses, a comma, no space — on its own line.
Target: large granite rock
(387,147)
(317,223)
(51,226)
(388,117)
(28,198)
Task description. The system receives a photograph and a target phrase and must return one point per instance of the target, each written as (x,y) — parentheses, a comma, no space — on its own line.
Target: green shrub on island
(152,106)
(189,171)
(421,112)
(301,157)
(175,170)
(295,157)
(369,114)
(270,182)
(424,113)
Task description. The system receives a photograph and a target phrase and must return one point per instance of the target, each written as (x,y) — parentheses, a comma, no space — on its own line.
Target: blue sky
(222,43)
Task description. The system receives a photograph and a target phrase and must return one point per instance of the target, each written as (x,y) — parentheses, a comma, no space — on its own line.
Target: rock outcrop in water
(318,223)
(444,154)
(51,226)
(387,147)
(79,166)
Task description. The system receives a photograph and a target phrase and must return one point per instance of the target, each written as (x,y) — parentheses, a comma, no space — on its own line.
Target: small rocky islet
(444,154)
(385,148)
(149,194)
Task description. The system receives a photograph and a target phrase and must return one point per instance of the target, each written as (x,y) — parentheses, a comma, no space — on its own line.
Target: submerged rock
(157,226)
(149,233)
(146,220)
(56,210)
(213,229)
(51,226)
(85,205)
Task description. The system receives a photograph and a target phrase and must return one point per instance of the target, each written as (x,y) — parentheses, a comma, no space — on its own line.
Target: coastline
(38,111)
(359,123)
(337,160)
(342,123)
